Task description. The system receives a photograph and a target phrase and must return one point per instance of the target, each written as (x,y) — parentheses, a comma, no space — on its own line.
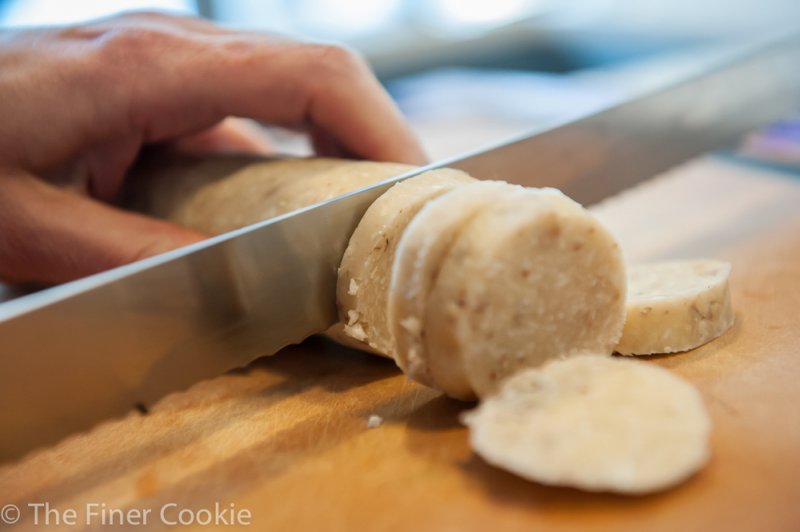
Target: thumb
(52,235)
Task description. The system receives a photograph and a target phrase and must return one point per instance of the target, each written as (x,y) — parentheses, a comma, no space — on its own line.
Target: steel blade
(592,157)
(92,349)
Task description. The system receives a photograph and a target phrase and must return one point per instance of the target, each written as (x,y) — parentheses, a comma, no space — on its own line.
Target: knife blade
(85,351)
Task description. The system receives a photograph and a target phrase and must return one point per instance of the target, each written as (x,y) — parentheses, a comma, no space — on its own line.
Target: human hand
(78,104)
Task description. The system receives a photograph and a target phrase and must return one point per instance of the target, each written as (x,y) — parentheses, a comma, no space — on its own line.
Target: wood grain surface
(287,437)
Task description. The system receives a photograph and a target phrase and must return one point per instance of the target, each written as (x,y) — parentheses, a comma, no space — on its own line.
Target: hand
(78,103)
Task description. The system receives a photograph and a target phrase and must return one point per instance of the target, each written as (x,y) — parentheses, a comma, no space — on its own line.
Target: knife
(91,349)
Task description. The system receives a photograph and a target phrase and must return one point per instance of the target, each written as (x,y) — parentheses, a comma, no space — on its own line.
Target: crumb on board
(374,421)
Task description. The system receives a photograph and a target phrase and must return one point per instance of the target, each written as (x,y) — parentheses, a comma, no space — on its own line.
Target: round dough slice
(532,277)
(596,423)
(676,306)
(420,252)
(365,270)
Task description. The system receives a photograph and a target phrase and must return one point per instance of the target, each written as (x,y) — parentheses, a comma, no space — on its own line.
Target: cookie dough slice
(365,270)
(420,252)
(594,423)
(532,277)
(675,306)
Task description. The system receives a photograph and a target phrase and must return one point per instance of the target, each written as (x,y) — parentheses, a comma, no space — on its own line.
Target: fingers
(326,145)
(78,104)
(53,235)
(335,90)
(232,135)
(166,77)
(352,108)
(319,86)
(101,171)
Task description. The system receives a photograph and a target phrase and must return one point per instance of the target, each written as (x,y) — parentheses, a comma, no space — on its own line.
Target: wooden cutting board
(287,438)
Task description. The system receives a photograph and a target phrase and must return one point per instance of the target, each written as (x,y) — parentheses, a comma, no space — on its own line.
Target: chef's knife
(92,349)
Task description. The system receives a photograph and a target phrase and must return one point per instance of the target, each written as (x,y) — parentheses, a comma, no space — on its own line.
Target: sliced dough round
(675,306)
(596,423)
(365,270)
(530,278)
(420,252)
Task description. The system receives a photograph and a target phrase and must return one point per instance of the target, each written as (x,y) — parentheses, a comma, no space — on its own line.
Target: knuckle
(142,39)
(338,60)
(145,15)
(159,19)
(118,27)
(138,17)
(132,38)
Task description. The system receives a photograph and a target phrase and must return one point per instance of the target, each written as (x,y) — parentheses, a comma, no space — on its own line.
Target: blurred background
(471,72)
